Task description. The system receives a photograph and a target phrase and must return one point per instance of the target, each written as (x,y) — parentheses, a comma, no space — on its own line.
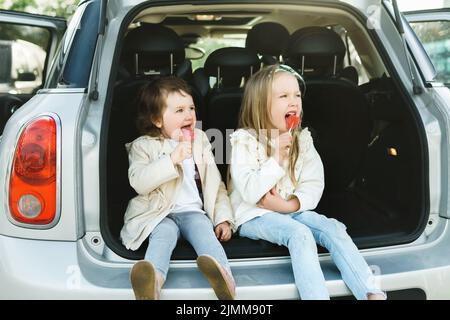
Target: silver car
(380,121)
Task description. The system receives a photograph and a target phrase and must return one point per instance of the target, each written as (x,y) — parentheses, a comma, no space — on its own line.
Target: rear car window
(72,64)
(211,44)
(22,55)
(435,37)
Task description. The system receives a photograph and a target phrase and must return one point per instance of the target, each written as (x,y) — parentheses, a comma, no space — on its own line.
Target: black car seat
(328,41)
(230,67)
(333,106)
(268,40)
(149,52)
(153,49)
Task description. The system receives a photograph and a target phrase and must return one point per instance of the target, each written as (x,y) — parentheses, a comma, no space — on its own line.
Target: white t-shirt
(188,198)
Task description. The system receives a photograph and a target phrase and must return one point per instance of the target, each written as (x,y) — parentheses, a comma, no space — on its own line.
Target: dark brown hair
(152,102)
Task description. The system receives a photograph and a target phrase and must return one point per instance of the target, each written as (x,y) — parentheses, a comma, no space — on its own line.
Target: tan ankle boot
(221,281)
(376,296)
(146,281)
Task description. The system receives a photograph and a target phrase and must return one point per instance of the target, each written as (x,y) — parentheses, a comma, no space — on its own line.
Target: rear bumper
(32,269)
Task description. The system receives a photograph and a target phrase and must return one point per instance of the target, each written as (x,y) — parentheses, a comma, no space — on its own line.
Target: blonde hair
(255,112)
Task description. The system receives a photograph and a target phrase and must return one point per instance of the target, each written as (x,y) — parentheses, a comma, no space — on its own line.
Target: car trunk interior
(367,133)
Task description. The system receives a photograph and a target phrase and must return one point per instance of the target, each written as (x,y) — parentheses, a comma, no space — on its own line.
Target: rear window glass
(72,64)
(23,52)
(435,37)
(210,44)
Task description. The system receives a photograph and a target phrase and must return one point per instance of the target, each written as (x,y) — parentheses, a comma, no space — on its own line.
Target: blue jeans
(195,227)
(299,232)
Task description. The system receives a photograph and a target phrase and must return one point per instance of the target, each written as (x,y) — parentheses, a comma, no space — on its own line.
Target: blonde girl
(277,181)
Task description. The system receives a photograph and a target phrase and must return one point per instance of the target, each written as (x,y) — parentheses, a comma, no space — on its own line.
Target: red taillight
(32,186)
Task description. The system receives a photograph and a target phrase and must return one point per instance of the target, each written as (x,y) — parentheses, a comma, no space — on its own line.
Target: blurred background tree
(38,36)
(59,8)
(18,5)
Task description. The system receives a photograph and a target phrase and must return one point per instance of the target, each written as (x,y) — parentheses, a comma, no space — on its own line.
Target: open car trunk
(384,202)
(384,205)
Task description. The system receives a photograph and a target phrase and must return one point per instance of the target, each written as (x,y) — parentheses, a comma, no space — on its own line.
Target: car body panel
(73,274)
(66,228)
(438,104)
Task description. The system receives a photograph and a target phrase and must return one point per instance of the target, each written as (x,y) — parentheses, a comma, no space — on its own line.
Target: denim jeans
(300,232)
(195,227)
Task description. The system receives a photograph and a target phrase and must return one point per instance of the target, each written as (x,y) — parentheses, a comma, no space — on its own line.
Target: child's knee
(167,231)
(302,235)
(337,228)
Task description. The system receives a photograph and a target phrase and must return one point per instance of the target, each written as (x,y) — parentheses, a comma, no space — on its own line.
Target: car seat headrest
(267,38)
(316,48)
(230,64)
(153,46)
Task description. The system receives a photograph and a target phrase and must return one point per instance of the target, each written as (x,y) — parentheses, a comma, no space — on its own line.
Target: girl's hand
(182,151)
(223,231)
(274,202)
(282,144)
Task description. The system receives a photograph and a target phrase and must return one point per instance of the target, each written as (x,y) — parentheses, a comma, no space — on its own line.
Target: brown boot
(146,281)
(220,280)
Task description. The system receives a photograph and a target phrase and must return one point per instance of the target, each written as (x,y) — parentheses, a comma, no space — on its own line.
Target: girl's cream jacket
(157,181)
(253,174)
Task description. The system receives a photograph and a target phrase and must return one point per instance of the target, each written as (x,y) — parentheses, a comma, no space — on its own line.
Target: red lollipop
(292,121)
